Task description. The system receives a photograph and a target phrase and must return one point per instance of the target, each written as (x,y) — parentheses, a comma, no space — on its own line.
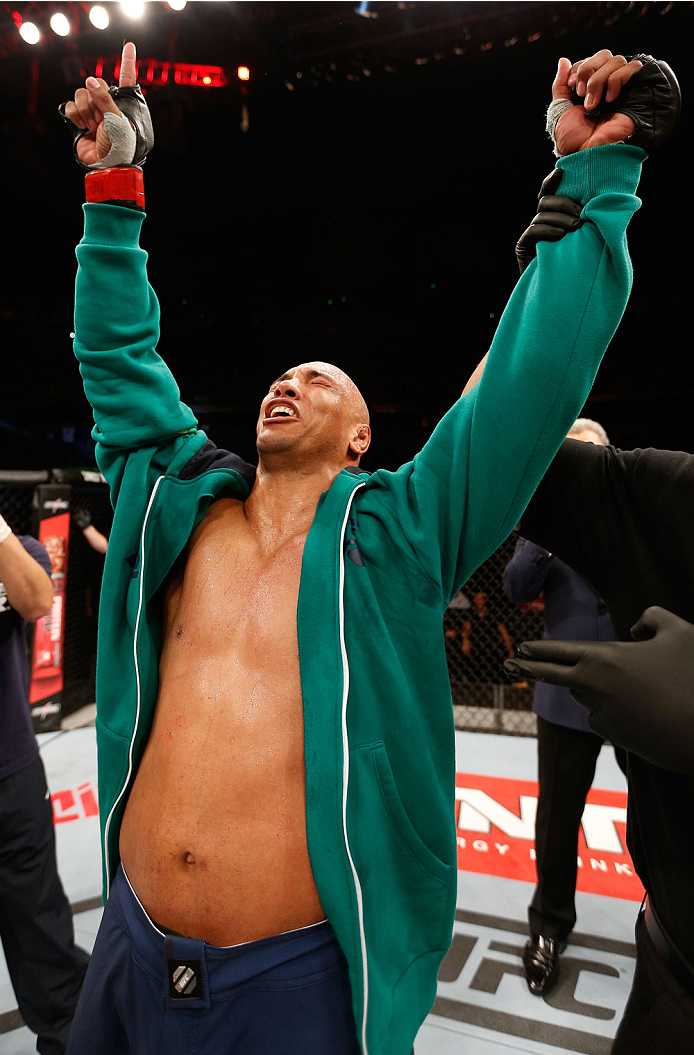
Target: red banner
(74,804)
(496,835)
(49,632)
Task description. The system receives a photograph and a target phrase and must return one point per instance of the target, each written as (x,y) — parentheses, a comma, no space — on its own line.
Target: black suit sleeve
(623,520)
(577,509)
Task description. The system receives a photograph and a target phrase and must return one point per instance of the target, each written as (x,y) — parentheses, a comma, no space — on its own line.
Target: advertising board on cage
(495,818)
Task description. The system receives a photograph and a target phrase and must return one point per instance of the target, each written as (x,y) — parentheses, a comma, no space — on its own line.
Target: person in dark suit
(45,966)
(567,749)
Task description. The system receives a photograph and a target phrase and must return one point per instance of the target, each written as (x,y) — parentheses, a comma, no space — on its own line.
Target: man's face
(313,409)
(586,436)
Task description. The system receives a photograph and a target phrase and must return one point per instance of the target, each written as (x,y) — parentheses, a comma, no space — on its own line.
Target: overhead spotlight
(177,5)
(59,24)
(363,10)
(98,16)
(243,73)
(133,8)
(29,33)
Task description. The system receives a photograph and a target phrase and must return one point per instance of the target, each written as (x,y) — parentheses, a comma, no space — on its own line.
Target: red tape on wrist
(122,184)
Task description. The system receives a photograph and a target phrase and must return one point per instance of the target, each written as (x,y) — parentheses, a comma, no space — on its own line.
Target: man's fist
(603,73)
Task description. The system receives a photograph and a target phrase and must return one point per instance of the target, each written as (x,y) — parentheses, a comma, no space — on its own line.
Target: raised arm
(578,132)
(473,479)
(132,392)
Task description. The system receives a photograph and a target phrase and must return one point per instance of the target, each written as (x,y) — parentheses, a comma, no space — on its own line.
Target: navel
(189,859)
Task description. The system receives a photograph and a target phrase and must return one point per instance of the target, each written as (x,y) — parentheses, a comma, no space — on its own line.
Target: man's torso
(214,833)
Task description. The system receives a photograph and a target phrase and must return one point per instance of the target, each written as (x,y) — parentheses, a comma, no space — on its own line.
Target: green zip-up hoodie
(385,554)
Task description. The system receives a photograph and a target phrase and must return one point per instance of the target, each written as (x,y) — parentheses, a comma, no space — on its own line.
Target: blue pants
(147,993)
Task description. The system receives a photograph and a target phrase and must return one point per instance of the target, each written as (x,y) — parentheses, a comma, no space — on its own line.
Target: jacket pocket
(408,892)
(415,846)
(394,864)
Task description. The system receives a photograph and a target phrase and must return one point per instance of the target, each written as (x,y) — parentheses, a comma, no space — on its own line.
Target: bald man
(275,731)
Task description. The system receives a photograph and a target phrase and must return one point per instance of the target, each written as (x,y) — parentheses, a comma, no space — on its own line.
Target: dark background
(391,178)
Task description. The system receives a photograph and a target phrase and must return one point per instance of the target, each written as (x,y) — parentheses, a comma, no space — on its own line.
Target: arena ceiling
(358,199)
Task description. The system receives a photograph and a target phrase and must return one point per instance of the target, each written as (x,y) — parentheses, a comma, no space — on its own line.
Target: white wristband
(123,140)
(5,529)
(554,111)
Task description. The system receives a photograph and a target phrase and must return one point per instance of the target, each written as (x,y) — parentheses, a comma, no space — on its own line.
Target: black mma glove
(640,694)
(556,216)
(652,99)
(82,517)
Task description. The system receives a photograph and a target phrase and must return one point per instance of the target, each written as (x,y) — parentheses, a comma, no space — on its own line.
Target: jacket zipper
(345,772)
(137,681)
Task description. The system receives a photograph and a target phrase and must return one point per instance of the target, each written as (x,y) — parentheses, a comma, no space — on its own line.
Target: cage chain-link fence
(481,629)
(16,498)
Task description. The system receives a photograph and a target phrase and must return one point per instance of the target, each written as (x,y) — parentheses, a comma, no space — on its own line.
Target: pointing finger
(128,69)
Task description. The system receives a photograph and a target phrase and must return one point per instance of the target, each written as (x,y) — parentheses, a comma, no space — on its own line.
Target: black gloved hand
(82,517)
(556,216)
(131,102)
(652,99)
(640,694)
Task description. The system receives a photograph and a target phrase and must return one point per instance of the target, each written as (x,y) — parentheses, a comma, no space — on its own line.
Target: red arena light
(151,72)
(243,73)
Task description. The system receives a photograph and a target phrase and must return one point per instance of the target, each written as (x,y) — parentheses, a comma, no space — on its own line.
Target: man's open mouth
(281,412)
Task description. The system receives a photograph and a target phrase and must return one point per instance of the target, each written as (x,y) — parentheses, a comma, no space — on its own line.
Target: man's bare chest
(231,594)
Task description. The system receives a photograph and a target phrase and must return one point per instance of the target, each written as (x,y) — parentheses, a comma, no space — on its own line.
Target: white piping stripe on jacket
(137,678)
(345,772)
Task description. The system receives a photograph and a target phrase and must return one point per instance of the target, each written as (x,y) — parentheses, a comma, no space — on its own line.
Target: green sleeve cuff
(115,225)
(613,169)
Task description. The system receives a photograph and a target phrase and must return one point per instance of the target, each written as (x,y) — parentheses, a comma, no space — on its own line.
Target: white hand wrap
(5,529)
(122,139)
(554,111)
